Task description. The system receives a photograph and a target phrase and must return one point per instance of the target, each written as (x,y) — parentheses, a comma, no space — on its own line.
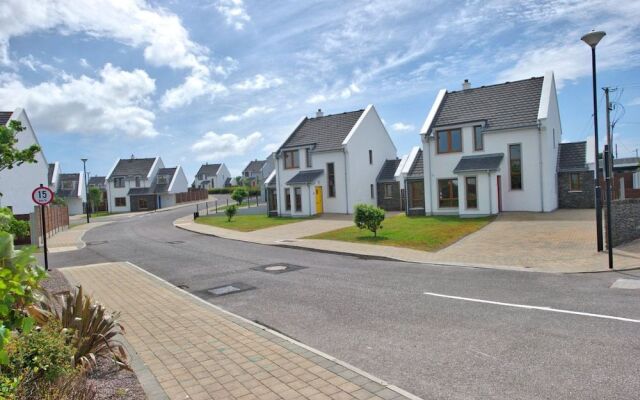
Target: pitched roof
(133,166)
(304,177)
(209,169)
(164,187)
(254,166)
(482,162)
(417,169)
(326,132)
(388,171)
(227,182)
(502,106)
(572,157)
(52,168)
(73,192)
(97,180)
(5,116)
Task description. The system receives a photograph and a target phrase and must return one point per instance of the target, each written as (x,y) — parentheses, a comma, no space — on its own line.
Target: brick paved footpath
(198,351)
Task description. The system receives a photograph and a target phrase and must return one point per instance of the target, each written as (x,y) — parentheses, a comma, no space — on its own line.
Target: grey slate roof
(75,178)
(97,180)
(304,177)
(417,168)
(164,187)
(5,116)
(52,167)
(209,169)
(254,166)
(572,157)
(326,132)
(388,171)
(227,182)
(133,166)
(502,106)
(623,163)
(483,162)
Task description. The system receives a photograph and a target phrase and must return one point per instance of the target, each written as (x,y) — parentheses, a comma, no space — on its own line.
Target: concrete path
(70,239)
(199,351)
(560,242)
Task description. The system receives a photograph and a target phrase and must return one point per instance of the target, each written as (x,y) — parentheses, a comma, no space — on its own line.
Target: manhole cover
(228,289)
(277,268)
(176,242)
(97,242)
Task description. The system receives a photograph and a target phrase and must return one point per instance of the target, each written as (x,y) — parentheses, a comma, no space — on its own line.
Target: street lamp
(592,39)
(86,186)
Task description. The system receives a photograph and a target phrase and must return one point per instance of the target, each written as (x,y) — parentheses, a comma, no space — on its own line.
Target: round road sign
(42,195)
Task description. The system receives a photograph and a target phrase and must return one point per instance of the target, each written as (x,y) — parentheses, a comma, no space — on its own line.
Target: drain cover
(228,289)
(176,242)
(97,242)
(277,268)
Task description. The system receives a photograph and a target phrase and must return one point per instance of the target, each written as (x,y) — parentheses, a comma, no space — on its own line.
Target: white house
(329,164)
(257,171)
(211,176)
(492,148)
(71,189)
(17,184)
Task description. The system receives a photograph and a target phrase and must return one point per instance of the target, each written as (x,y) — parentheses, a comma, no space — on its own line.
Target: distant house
(71,189)
(53,175)
(329,164)
(413,173)
(257,171)
(576,188)
(17,184)
(388,186)
(212,176)
(492,148)
(100,182)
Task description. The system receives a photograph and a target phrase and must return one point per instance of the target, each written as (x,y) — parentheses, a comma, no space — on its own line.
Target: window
(291,159)
(307,156)
(478,138)
(67,185)
(388,190)
(472,191)
(121,201)
(449,141)
(373,195)
(137,181)
(142,204)
(163,179)
(298,194)
(331,179)
(575,182)
(515,166)
(370,156)
(118,182)
(448,192)
(287,199)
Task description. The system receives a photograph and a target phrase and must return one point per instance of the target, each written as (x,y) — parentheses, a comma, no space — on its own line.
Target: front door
(319,205)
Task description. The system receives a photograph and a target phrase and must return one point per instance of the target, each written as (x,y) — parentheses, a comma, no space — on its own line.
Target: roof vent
(319,113)
(132,156)
(466,85)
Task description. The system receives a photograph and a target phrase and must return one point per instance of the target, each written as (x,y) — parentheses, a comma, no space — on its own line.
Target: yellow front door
(319,209)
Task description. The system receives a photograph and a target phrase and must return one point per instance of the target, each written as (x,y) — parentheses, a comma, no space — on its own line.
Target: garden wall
(625,219)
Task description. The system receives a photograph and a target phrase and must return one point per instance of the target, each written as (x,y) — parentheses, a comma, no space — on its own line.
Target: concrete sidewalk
(71,239)
(198,351)
(559,242)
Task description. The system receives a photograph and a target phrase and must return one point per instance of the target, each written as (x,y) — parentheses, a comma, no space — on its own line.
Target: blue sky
(227,80)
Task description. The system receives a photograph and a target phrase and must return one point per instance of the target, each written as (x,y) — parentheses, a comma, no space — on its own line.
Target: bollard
(207,205)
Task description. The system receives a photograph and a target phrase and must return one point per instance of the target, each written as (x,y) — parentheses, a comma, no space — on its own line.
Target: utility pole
(608,166)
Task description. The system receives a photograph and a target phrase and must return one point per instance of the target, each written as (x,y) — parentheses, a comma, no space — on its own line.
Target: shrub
(239,194)
(9,224)
(225,190)
(369,217)
(231,211)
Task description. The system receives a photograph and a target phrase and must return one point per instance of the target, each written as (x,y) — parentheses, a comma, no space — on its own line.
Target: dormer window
(163,179)
(449,141)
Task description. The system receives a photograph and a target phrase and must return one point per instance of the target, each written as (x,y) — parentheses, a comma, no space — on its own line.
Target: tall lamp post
(86,186)
(592,39)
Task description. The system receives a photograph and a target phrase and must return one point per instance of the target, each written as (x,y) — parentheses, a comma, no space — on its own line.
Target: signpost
(42,196)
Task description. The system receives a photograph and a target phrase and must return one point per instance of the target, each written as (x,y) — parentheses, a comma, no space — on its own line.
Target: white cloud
(84,63)
(196,85)
(258,82)
(271,147)
(248,113)
(234,12)
(213,145)
(333,94)
(117,102)
(402,127)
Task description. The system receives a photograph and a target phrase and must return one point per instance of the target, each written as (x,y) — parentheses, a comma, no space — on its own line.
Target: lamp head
(593,38)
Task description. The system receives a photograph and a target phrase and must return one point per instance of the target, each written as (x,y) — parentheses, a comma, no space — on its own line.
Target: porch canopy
(305,177)
(483,162)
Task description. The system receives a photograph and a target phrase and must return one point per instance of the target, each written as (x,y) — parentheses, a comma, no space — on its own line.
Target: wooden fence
(192,195)
(56,220)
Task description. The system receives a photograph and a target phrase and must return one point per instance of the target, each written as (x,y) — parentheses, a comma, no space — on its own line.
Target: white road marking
(499,303)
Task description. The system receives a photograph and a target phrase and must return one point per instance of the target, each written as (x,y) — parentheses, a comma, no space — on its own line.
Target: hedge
(230,189)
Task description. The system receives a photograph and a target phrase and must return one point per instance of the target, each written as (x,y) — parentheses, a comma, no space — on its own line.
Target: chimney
(466,85)
(132,156)
(319,113)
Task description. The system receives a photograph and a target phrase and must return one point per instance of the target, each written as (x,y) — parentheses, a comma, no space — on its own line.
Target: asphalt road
(375,315)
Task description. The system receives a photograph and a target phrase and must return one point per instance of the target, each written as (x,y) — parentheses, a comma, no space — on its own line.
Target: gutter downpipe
(540,167)
(278,195)
(346,184)
(490,192)
(430,180)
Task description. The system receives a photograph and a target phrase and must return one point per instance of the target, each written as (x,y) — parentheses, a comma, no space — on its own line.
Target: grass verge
(246,223)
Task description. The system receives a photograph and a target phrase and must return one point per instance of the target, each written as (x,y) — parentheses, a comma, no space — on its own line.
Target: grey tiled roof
(254,166)
(133,166)
(502,106)
(327,132)
(417,169)
(388,171)
(208,169)
(572,156)
(52,167)
(483,162)
(304,177)
(163,187)
(97,180)
(73,192)
(5,116)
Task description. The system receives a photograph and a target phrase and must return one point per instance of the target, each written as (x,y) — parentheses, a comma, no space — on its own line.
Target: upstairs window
(478,138)
(449,141)
(291,159)
(67,185)
(370,156)
(118,182)
(137,181)
(515,166)
(307,156)
(331,179)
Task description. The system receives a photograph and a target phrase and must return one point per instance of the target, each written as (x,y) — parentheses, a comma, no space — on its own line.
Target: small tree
(239,194)
(369,217)
(230,212)
(95,197)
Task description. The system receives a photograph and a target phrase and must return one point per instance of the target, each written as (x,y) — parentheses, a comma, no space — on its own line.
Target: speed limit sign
(42,195)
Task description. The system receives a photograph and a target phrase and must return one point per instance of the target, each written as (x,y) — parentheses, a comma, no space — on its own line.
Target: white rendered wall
(75,206)
(551,130)
(179,183)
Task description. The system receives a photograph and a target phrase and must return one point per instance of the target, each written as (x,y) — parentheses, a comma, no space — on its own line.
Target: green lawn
(246,223)
(420,233)
(100,214)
